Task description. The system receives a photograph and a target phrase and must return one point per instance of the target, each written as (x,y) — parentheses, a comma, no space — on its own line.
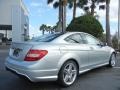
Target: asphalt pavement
(103,78)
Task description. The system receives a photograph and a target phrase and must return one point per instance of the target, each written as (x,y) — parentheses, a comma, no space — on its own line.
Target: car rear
(34,60)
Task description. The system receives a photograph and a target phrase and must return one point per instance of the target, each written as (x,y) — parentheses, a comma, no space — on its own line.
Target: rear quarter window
(74,38)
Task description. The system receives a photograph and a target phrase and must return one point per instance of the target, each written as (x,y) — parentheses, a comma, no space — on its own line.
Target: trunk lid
(19,50)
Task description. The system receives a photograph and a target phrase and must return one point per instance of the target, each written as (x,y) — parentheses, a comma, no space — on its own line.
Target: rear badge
(17,52)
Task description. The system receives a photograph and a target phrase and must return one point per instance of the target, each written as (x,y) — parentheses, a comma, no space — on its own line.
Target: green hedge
(88,24)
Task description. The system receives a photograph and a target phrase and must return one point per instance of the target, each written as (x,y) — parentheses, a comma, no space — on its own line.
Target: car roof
(69,33)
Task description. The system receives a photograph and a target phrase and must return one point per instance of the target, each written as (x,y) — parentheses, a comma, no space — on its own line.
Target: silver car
(60,56)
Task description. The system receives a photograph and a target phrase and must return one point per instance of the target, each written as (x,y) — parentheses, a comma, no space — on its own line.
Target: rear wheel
(112,61)
(68,73)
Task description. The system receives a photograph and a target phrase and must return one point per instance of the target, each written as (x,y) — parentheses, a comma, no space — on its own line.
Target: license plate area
(16,52)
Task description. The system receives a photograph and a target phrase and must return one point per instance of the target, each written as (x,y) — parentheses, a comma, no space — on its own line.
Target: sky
(41,13)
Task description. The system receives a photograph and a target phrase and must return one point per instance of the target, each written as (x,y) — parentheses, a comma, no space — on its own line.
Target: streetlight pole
(118,23)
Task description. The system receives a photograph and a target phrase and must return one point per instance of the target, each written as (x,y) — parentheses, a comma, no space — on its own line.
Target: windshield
(46,38)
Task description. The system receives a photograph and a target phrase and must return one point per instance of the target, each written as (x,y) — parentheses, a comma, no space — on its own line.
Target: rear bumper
(32,75)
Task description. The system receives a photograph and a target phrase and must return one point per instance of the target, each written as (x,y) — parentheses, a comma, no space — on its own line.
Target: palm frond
(102,7)
(56,4)
(86,8)
(70,5)
(49,1)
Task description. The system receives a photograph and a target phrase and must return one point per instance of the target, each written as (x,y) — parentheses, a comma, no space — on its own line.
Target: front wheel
(68,73)
(112,61)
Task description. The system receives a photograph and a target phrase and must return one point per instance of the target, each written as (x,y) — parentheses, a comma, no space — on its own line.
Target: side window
(75,38)
(91,40)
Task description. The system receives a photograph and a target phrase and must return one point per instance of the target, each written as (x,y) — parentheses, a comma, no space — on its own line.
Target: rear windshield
(46,38)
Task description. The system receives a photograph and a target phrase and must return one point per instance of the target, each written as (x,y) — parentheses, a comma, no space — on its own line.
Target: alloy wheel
(112,61)
(69,73)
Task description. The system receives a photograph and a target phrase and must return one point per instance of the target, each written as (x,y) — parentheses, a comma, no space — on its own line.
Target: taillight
(35,55)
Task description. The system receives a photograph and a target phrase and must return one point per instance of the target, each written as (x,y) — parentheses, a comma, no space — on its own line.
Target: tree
(57,4)
(74,9)
(103,38)
(50,29)
(43,28)
(76,3)
(108,36)
(93,5)
(115,41)
(64,4)
(88,24)
(73,3)
(54,28)
(62,11)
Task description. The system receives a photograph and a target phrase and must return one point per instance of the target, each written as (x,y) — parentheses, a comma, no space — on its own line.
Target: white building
(14,21)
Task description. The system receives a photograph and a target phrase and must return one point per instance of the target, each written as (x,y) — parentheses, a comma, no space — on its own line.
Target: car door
(76,47)
(98,53)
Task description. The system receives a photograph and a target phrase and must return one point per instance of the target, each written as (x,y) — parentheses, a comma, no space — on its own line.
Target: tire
(68,73)
(112,61)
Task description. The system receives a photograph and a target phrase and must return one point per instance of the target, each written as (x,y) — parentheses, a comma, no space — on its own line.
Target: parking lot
(103,78)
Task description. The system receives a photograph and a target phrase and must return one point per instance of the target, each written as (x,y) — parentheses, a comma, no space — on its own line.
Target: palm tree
(43,28)
(93,7)
(90,9)
(49,29)
(57,4)
(93,4)
(75,4)
(108,36)
(62,11)
(74,8)
(54,28)
(64,15)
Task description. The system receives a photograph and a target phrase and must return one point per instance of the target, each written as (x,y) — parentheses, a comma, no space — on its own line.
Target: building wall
(16,23)
(13,12)
(5,9)
(24,24)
